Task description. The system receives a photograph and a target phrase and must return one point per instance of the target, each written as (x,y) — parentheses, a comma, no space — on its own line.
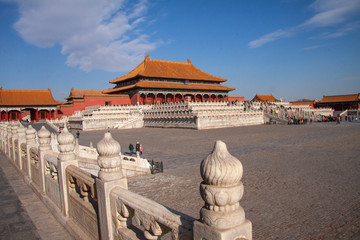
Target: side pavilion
(34,105)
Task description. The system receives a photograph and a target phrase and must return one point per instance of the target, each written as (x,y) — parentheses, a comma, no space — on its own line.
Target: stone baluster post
(30,143)
(14,136)
(21,139)
(110,176)
(44,148)
(4,137)
(66,157)
(222,217)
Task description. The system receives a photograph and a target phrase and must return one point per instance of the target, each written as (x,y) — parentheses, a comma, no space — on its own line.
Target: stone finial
(21,131)
(44,139)
(220,168)
(30,135)
(109,158)
(221,189)
(66,145)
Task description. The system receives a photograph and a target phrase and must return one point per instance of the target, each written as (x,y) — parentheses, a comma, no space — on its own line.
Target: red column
(155,98)
(145,98)
(7,115)
(36,115)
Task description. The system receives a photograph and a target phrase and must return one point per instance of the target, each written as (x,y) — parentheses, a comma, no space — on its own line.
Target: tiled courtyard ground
(301,182)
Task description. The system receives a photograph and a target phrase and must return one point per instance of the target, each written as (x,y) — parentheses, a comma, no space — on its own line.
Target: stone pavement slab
(301,181)
(23,214)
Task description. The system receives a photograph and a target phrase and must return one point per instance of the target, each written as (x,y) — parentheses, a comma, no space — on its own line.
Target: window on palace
(107,103)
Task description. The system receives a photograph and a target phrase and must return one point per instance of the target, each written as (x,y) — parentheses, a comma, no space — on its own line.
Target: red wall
(93,101)
(231,99)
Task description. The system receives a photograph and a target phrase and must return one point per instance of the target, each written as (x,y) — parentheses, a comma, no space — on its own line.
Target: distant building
(78,100)
(340,102)
(264,98)
(162,81)
(33,105)
(310,104)
(235,98)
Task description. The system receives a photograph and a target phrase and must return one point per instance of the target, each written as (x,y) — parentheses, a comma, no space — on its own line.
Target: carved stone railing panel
(23,158)
(132,213)
(15,157)
(51,179)
(34,164)
(51,166)
(83,206)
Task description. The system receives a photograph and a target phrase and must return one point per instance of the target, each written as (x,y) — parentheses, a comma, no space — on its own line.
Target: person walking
(141,149)
(131,149)
(137,147)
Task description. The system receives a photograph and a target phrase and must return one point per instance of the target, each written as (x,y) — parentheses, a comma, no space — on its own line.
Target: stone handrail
(102,207)
(155,218)
(82,182)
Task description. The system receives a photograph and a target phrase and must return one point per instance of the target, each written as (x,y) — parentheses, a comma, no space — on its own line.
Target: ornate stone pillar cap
(30,130)
(108,147)
(65,137)
(43,132)
(220,168)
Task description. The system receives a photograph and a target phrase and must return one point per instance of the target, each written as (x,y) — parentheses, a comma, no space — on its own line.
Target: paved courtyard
(301,182)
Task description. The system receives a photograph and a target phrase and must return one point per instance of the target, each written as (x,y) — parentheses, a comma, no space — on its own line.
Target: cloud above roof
(327,13)
(92,34)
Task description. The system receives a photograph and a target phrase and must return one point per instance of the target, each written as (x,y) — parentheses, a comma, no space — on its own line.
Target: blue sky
(292,49)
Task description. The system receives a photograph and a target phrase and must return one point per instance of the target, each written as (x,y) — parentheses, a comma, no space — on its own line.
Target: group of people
(138,148)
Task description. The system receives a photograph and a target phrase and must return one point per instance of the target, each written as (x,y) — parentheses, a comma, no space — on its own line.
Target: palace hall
(33,105)
(162,81)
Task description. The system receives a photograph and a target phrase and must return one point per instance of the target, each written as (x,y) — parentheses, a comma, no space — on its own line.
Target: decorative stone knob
(220,168)
(44,139)
(66,145)
(109,158)
(21,131)
(221,189)
(30,135)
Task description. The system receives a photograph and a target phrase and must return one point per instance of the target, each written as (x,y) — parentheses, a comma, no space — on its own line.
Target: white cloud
(269,38)
(93,34)
(327,13)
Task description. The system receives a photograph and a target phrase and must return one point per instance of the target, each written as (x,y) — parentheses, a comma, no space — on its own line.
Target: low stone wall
(202,115)
(102,207)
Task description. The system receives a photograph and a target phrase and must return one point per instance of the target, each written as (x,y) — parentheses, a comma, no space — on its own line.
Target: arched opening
(178,98)
(169,97)
(142,98)
(206,98)
(160,98)
(43,114)
(220,98)
(14,115)
(189,97)
(150,98)
(198,98)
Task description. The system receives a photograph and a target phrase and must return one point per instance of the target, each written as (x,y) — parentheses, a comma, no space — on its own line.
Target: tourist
(137,147)
(141,149)
(77,134)
(131,148)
